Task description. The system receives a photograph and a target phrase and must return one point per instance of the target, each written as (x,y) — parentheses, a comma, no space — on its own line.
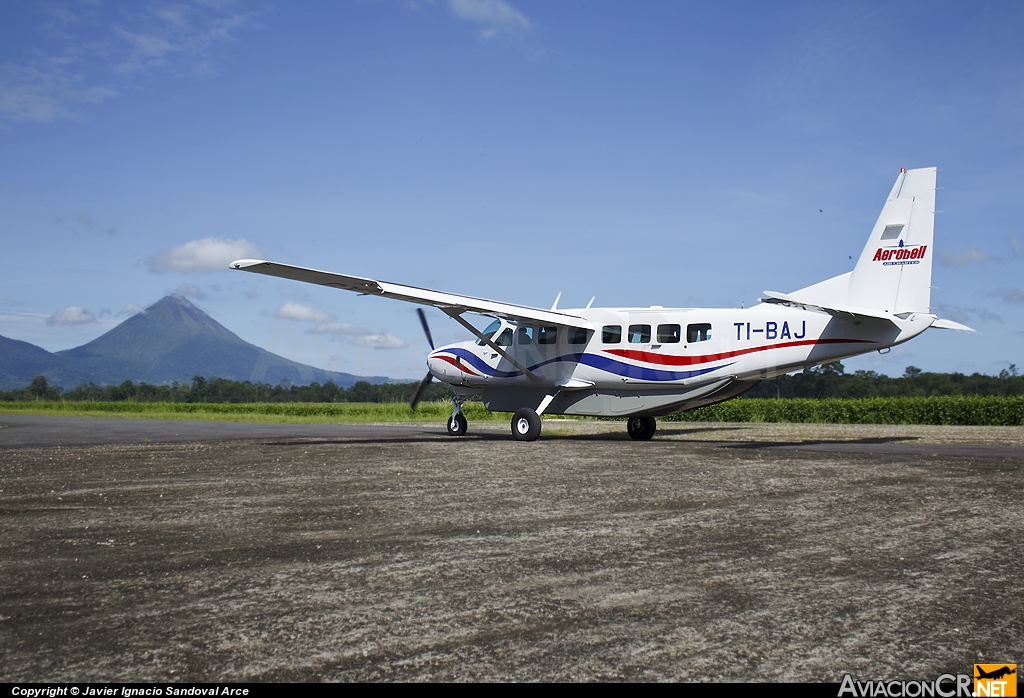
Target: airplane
(642,363)
(995,673)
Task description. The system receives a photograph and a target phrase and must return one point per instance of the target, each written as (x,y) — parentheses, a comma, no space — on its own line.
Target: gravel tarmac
(714,552)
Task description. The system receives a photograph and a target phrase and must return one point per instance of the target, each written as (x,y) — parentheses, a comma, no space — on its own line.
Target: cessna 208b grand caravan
(641,363)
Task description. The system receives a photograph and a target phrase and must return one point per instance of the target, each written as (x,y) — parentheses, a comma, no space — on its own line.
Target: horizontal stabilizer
(950,325)
(831,308)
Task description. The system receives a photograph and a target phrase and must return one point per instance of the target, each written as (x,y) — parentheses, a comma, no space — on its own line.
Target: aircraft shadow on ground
(870,441)
(496,435)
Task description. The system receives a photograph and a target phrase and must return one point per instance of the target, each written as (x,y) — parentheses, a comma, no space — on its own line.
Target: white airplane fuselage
(671,356)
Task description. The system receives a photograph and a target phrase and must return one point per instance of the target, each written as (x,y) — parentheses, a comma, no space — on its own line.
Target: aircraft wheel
(457,425)
(526,425)
(641,428)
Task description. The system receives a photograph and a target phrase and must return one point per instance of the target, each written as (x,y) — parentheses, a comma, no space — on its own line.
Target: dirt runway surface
(740,552)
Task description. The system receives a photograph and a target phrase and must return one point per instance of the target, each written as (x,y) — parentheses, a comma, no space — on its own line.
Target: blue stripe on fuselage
(597,361)
(640,372)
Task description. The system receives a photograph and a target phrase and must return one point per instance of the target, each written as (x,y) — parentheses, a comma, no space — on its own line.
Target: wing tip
(245,263)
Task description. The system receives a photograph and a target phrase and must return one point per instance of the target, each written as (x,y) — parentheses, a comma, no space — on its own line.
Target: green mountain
(20,362)
(171,340)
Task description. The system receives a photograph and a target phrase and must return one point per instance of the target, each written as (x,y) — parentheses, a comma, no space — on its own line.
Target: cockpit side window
(491,329)
(505,338)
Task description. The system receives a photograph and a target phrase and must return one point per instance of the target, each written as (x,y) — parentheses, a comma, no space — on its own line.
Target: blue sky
(646,153)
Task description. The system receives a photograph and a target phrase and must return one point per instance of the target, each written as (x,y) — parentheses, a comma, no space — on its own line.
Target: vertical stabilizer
(894,272)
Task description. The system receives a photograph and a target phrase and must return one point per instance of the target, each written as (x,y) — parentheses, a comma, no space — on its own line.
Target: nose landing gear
(457,425)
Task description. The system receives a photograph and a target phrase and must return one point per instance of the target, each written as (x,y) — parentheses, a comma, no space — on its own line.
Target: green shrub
(953,410)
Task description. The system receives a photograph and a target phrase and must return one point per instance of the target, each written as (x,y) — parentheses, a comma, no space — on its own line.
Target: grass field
(302,412)
(948,410)
(961,410)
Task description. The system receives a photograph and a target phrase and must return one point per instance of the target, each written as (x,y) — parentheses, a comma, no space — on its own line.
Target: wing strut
(458,318)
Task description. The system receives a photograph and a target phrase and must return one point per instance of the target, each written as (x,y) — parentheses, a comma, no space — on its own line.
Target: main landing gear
(525,425)
(641,428)
(526,422)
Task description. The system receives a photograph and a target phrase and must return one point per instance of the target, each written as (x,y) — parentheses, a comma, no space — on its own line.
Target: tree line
(820,382)
(832,381)
(220,390)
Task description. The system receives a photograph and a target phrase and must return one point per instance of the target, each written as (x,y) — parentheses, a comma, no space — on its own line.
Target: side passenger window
(698,333)
(548,335)
(639,334)
(611,334)
(577,335)
(668,334)
(525,335)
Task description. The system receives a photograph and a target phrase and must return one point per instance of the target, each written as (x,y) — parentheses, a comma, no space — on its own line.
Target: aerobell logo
(945,686)
(900,255)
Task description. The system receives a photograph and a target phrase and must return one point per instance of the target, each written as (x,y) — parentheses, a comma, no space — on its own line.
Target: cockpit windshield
(489,332)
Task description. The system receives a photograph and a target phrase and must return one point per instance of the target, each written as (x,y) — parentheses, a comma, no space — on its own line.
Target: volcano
(171,340)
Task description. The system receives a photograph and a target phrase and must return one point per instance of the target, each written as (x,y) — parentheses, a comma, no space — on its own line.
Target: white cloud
(360,337)
(957,259)
(326,324)
(1010,295)
(131,309)
(494,16)
(208,254)
(294,311)
(340,329)
(1016,247)
(190,291)
(383,340)
(176,34)
(964,315)
(79,57)
(46,92)
(72,315)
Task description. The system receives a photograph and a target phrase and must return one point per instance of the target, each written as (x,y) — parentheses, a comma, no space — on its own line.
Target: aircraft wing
(450,303)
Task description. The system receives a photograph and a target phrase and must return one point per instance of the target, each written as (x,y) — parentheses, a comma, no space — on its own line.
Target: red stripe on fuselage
(676,360)
(457,364)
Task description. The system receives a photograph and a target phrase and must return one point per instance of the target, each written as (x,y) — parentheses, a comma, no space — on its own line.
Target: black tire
(641,428)
(457,425)
(525,425)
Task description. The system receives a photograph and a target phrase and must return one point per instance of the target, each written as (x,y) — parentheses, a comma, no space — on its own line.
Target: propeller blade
(420,390)
(426,327)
